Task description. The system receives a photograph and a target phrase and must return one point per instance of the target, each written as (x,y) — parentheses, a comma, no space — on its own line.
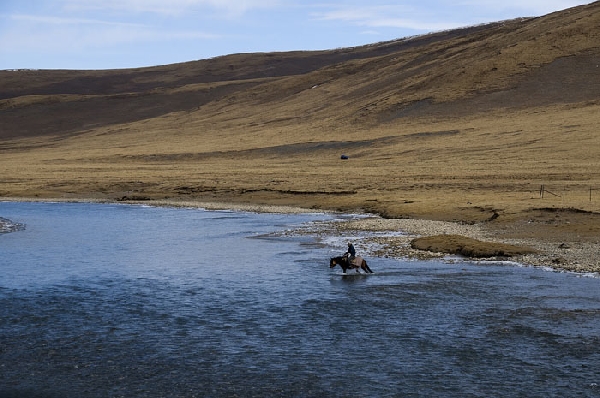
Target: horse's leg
(366,267)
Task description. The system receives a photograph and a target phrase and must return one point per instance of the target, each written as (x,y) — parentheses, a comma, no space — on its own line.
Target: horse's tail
(367,267)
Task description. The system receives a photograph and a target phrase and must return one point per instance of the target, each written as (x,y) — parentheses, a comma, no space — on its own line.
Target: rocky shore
(579,257)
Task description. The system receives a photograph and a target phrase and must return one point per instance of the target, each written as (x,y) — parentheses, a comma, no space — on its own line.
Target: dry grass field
(465,125)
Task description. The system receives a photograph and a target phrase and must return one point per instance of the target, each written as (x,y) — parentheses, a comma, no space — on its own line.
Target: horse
(343,262)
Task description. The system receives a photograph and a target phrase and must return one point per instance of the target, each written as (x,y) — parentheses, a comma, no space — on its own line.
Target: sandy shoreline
(394,236)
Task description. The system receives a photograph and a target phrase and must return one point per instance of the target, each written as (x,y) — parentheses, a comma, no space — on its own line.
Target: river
(100,300)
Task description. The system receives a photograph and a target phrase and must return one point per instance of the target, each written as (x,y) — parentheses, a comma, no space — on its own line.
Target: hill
(490,122)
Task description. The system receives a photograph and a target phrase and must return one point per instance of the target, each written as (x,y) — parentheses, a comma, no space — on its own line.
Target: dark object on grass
(344,157)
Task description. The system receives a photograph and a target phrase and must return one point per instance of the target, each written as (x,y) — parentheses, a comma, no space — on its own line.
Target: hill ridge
(379,82)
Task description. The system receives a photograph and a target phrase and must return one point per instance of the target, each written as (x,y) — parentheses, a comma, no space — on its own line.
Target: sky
(111,34)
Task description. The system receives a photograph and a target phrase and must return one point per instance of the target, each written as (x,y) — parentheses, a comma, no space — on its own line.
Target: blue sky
(106,34)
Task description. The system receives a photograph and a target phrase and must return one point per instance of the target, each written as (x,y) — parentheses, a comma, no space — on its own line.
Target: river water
(136,301)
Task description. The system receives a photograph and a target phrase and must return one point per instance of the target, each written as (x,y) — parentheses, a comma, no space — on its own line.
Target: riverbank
(558,238)
(556,244)
(576,256)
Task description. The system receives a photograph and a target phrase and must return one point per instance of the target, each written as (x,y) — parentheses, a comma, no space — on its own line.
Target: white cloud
(522,8)
(170,7)
(51,20)
(73,26)
(48,34)
(427,15)
(385,16)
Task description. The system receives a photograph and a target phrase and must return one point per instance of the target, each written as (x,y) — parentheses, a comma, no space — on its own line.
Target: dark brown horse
(343,262)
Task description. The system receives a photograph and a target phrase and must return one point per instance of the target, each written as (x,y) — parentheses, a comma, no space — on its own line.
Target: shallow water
(116,300)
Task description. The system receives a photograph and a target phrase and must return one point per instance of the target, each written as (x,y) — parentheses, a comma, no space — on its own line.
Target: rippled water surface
(114,300)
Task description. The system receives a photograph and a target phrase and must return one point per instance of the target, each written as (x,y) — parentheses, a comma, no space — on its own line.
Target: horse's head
(341,261)
(332,262)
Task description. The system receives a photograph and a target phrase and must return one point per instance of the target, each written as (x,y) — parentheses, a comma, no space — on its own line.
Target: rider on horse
(350,261)
(351,253)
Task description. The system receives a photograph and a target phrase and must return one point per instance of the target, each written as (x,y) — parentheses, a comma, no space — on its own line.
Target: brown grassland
(464,126)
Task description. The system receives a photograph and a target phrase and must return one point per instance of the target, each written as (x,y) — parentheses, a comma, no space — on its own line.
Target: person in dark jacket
(351,252)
